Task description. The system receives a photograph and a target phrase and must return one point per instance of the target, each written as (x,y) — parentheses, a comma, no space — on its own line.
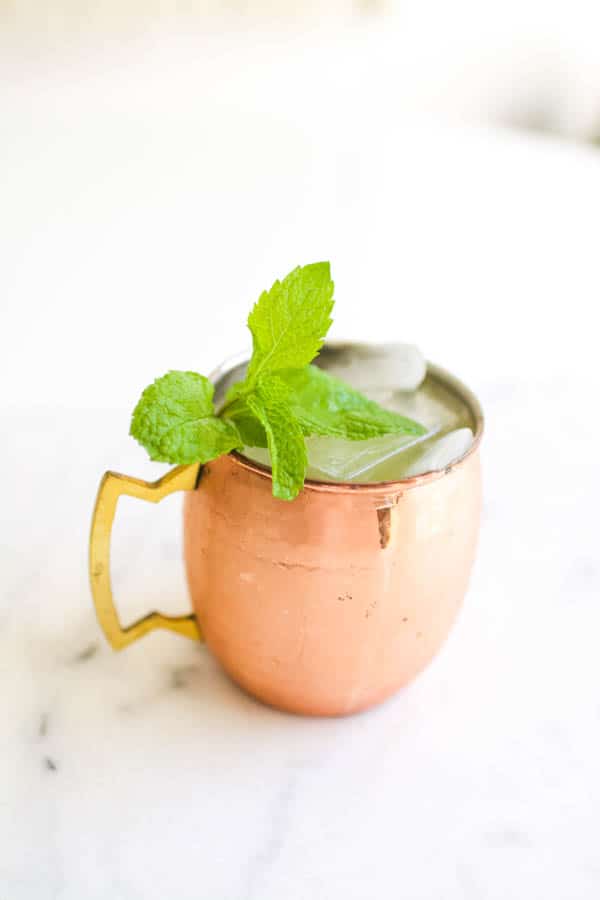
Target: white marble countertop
(147,774)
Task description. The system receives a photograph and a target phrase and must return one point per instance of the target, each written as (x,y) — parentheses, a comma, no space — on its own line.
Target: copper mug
(325,605)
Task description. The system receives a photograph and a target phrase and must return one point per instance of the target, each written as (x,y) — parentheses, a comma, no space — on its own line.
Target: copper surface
(329,604)
(325,605)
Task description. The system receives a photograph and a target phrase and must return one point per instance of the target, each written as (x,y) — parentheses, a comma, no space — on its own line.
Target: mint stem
(229,410)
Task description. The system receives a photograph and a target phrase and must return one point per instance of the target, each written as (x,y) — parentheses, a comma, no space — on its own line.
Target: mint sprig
(326,406)
(270,403)
(282,399)
(289,323)
(175,421)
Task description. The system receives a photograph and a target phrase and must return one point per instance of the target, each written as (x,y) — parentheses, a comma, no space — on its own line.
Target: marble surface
(147,774)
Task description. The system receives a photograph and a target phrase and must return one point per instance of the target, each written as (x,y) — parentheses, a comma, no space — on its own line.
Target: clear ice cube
(431,453)
(341,460)
(389,458)
(440,452)
(383,368)
(391,375)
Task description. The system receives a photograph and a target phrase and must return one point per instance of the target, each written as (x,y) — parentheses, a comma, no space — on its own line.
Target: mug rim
(370,487)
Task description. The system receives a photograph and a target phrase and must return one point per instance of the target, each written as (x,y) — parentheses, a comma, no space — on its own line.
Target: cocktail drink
(396,377)
(331,514)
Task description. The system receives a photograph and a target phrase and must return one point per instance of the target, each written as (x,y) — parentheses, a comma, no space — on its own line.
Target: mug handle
(112,486)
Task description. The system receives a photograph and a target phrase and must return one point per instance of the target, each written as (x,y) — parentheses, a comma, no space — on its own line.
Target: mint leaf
(269,403)
(251,431)
(289,322)
(175,421)
(325,405)
(282,399)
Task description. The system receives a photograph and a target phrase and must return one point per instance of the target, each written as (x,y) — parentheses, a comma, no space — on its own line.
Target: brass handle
(183,478)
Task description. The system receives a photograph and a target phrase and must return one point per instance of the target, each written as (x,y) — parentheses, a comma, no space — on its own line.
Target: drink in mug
(331,603)
(395,376)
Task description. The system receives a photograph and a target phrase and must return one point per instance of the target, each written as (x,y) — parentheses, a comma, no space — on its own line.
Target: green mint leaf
(282,399)
(251,430)
(269,403)
(324,405)
(175,421)
(289,322)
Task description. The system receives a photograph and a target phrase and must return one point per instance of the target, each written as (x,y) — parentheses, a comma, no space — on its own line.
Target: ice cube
(342,460)
(389,458)
(432,404)
(382,368)
(440,452)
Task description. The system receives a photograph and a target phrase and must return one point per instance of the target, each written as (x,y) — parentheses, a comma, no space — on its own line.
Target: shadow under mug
(325,605)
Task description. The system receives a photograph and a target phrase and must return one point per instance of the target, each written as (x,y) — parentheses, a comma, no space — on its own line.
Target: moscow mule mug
(325,605)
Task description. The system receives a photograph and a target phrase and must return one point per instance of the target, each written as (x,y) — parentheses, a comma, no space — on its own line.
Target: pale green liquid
(433,404)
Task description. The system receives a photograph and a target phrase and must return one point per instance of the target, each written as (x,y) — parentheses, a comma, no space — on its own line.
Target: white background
(149,191)
(152,187)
